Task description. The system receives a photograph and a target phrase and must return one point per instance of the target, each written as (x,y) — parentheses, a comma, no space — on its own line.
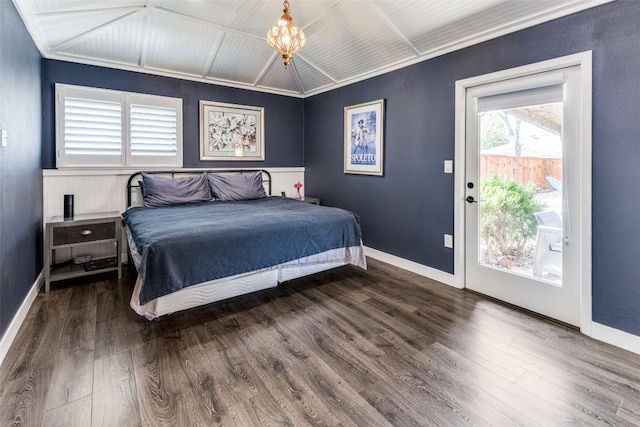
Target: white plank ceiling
(223,41)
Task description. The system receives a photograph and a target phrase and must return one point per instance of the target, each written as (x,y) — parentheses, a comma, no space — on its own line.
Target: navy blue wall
(283,115)
(407,211)
(20,174)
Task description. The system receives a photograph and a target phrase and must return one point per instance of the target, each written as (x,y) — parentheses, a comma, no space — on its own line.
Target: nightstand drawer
(83,233)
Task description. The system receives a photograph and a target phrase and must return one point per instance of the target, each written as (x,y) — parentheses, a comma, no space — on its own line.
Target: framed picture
(364,138)
(231,132)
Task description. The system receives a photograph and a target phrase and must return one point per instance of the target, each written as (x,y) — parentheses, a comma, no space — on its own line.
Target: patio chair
(556,184)
(548,253)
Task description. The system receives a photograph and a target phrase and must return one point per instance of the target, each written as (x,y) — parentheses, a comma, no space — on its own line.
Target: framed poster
(231,132)
(364,138)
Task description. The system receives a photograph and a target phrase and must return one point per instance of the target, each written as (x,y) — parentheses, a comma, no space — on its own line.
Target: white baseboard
(615,337)
(414,267)
(12,330)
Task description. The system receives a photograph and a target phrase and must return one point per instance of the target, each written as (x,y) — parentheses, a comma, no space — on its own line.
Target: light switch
(448,241)
(4,138)
(448,166)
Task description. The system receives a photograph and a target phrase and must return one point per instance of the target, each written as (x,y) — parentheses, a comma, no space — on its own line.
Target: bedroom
(421,95)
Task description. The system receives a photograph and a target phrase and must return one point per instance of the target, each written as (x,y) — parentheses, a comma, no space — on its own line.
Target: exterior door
(522,192)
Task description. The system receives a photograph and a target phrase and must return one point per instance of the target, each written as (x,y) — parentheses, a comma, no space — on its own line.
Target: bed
(197,237)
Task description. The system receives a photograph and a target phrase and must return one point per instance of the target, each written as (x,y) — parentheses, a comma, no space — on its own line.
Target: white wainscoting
(104,190)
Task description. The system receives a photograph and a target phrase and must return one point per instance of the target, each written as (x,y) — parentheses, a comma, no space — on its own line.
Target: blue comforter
(184,245)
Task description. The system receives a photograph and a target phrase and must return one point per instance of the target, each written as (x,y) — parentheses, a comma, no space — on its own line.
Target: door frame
(584,61)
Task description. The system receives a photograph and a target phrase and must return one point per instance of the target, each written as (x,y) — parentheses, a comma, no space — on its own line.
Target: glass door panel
(520,190)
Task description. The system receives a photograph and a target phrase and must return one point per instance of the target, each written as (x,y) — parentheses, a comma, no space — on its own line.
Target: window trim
(126,99)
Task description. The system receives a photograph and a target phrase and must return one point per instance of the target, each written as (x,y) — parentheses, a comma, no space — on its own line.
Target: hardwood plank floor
(343,347)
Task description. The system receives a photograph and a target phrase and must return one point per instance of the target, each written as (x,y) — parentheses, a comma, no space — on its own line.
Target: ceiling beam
(395,29)
(145,37)
(82,36)
(217,25)
(322,15)
(76,12)
(266,67)
(296,77)
(214,53)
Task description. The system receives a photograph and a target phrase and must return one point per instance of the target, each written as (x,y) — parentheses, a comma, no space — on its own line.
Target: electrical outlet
(448,241)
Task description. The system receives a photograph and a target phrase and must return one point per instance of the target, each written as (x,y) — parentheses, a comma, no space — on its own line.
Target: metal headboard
(132,182)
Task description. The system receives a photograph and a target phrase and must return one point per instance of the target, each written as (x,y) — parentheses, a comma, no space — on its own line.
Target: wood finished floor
(343,347)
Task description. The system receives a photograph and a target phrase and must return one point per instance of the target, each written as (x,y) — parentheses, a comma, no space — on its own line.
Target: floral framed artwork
(364,138)
(231,132)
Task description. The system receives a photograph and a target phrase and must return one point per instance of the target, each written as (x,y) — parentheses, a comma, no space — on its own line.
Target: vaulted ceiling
(223,41)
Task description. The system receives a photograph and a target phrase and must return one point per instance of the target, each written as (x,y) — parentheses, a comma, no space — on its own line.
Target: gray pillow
(237,186)
(163,191)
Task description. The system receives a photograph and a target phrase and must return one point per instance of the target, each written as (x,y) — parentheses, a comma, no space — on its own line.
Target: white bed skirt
(228,287)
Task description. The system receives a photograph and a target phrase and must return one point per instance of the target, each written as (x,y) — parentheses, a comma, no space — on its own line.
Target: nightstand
(312,200)
(81,231)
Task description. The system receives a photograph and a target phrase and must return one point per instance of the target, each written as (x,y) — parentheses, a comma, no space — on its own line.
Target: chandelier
(285,37)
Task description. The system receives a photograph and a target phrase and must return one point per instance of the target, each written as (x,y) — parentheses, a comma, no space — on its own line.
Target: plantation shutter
(153,132)
(92,127)
(98,127)
(89,128)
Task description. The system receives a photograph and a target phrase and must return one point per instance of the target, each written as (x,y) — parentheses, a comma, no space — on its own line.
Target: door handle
(470,199)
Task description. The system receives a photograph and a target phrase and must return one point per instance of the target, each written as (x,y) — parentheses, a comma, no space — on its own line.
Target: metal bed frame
(208,292)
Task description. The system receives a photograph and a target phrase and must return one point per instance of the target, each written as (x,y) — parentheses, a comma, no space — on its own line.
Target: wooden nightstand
(80,231)
(308,199)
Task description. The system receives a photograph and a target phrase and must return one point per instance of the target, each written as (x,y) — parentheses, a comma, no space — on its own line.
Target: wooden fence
(522,169)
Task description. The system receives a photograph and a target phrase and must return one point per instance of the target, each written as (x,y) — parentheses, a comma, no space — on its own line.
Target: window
(97,127)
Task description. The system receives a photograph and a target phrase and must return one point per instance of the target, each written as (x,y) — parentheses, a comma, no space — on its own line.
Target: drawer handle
(85,232)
